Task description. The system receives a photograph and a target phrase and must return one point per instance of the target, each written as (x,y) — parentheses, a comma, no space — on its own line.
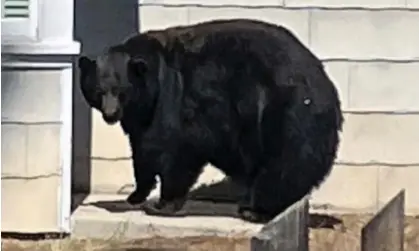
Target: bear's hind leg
(302,163)
(270,195)
(299,154)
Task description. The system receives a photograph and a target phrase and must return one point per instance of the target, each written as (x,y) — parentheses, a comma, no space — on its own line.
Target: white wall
(36,118)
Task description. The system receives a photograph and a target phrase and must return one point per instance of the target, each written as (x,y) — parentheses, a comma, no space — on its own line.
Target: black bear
(243,95)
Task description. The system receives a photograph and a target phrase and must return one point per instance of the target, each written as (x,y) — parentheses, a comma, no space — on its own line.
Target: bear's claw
(251,216)
(169,209)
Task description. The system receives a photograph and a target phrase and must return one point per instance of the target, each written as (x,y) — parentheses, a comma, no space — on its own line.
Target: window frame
(20,29)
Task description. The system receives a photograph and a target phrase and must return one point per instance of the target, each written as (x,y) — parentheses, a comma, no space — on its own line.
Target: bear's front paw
(165,208)
(250,215)
(136,198)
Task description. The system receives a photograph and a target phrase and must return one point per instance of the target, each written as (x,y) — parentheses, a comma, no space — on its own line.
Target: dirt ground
(342,234)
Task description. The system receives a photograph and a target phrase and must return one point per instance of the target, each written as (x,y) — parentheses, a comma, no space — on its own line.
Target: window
(18,20)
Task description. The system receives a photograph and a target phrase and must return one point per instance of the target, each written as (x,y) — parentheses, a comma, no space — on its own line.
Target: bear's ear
(85,63)
(137,67)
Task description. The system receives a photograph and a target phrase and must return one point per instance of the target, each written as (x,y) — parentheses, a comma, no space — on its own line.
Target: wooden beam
(385,231)
(286,232)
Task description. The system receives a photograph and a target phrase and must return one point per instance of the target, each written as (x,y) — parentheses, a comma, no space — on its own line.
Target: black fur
(243,95)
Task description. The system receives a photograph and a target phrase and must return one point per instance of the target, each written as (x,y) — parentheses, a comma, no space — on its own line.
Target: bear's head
(110,82)
(116,79)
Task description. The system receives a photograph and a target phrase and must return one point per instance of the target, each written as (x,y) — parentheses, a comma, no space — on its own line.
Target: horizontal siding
(366,189)
(215,2)
(383,34)
(30,205)
(30,150)
(346,3)
(336,4)
(365,34)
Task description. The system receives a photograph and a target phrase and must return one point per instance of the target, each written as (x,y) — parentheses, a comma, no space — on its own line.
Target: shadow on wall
(97,24)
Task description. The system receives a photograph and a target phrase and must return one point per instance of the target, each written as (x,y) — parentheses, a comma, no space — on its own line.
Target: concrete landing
(107,216)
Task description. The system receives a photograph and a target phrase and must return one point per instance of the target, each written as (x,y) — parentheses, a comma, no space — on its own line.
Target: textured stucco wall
(369,48)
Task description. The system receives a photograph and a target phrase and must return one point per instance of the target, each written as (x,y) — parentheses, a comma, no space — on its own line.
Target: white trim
(41,48)
(21,29)
(35,65)
(64,200)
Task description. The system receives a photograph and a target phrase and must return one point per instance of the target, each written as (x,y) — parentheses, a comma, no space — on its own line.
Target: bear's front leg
(178,175)
(144,174)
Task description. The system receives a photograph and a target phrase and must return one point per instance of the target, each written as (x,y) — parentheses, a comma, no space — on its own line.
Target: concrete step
(107,216)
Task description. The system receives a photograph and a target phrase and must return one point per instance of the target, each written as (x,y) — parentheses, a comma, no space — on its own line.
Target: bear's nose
(110,104)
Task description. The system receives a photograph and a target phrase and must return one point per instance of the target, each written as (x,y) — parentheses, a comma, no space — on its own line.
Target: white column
(36,97)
